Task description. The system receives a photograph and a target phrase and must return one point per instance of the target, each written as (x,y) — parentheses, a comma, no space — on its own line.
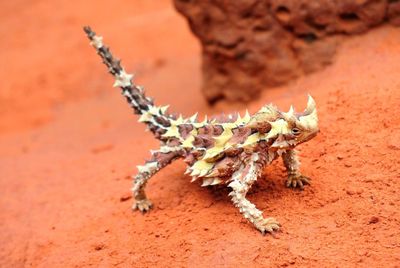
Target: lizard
(228,150)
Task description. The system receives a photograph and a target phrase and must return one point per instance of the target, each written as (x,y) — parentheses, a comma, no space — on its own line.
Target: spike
(141,168)
(123,79)
(216,181)
(212,153)
(201,166)
(188,143)
(309,118)
(172,131)
(238,119)
(193,118)
(214,172)
(222,139)
(289,116)
(154,110)
(280,152)
(207,182)
(291,111)
(205,120)
(163,109)
(145,117)
(148,167)
(144,168)
(235,185)
(246,117)
(203,172)
(179,120)
(168,149)
(97,41)
(310,105)
(126,93)
(195,172)
(140,88)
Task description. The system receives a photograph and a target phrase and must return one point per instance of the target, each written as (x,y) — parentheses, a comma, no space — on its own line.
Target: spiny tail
(156,118)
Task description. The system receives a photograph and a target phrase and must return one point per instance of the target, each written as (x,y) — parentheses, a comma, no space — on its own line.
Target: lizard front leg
(292,164)
(241,182)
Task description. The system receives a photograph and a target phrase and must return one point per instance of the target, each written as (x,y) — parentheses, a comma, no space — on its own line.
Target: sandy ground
(69,144)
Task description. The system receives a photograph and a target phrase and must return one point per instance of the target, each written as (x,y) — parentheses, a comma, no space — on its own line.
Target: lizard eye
(295,131)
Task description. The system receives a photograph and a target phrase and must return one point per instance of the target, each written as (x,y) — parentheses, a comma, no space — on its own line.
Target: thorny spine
(134,94)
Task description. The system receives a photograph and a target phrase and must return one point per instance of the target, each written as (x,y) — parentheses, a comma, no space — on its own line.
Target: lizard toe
(143,205)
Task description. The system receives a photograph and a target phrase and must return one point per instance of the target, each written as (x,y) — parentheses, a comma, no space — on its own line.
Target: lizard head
(303,126)
(286,130)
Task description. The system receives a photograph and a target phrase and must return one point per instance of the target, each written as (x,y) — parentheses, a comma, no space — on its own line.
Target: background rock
(250,45)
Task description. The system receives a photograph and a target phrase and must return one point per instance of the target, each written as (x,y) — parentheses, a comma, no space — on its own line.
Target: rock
(99,246)
(125,197)
(350,192)
(394,140)
(250,45)
(393,12)
(102,148)
(373,220)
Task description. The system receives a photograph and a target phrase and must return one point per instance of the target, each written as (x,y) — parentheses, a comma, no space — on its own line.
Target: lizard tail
(156,118)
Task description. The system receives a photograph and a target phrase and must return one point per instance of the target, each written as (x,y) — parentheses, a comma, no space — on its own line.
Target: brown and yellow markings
(154,111)
(173,130)
(233,138)
(221,143)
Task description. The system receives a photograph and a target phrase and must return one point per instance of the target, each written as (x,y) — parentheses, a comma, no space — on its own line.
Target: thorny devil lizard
(230,150)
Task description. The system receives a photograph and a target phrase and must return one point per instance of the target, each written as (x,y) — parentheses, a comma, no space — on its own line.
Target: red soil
(69,144)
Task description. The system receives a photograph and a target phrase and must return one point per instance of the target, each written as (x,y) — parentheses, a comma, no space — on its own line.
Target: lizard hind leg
(159,159)
(241,182)
(140,180)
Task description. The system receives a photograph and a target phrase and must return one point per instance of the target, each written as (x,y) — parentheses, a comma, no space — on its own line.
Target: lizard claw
(143,205)
(299,181)
(267,225)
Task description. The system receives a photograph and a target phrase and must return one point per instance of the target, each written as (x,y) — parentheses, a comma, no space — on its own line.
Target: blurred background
(47,58)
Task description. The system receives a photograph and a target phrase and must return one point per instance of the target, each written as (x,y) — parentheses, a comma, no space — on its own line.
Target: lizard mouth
(310,136)
(282,147)
(282,144)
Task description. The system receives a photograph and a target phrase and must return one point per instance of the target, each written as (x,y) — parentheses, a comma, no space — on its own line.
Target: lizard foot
(143,205)
(299,181)
(267,225)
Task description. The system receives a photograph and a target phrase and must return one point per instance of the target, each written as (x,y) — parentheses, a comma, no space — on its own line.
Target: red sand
(69,143)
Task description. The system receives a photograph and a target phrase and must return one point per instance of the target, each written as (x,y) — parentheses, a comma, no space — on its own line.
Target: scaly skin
(231,150)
